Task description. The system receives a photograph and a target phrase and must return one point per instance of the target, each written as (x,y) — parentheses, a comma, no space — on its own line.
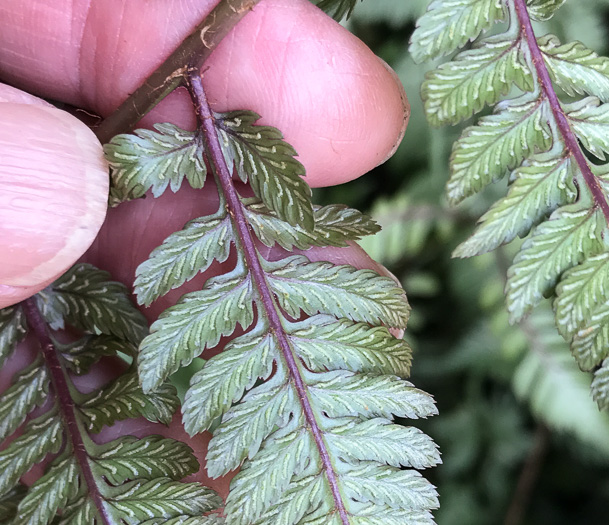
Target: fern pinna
(303,401)
(126,480)
(556,194)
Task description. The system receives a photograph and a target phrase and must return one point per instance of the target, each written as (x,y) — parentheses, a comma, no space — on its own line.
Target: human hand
(335,102)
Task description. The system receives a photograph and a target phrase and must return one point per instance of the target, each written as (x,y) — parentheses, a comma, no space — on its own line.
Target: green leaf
(537,189)
(263,480)
(13,328)
(195,323)
(558,393)
(499,143)
(225,377)
(153,160)
(384,485)
(261,156)
(89,301)
(151,457)
(582,290)
(543,9)
(246,425)
(296,504)
(162,498)
(325,343)
(337,9)
(341,393)
(29,389)
(339,290)
(475,78)
(382,441)
(582,315)
(122,399)
(571,234)
(334,226)
(9,503)
(600,386)
(50,493)
(40,437)
(80,512)
(575,68)
(80,355)
(449,24)
(212,519)
(373,514)
(183,255)
(590,122)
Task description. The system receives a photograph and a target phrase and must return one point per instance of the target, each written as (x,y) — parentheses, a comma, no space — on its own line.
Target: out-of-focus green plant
(521,438)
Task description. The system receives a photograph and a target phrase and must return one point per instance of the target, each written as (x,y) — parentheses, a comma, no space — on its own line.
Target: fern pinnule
(556,196)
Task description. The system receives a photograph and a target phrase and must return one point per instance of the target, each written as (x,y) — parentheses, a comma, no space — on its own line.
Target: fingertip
(340,106)
(53,194)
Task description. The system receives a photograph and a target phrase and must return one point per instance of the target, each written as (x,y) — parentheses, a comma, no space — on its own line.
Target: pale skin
(341,108)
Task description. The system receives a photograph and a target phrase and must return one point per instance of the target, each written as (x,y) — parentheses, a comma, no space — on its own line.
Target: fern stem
(196,47)
(561,119)
(66,404)
(214,150)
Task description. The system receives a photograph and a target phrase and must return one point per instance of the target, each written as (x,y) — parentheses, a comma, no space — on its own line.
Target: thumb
(53,193)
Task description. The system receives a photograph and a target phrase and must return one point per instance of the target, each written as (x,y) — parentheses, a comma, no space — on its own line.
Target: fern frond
(125,458)
(259,156)
(161,498)
(499,143)
(475,78)
(576,69)
(537,188)
(13,329)
(123,399)
(86,298)
(556,196)
(184,254)
(154,160)
(549,380)
(543,9)
(89,483)
(343,291)
(196,322)
(293,403)
(80,355)
(449,24)
(335,225)
(555,246)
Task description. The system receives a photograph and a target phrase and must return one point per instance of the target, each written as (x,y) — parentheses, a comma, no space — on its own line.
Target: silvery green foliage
(556,198)
(303,398)
(553,386)
(127,480)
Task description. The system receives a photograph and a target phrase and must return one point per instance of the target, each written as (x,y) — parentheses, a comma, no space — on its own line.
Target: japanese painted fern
(88,480)
(303,399)
(556,195)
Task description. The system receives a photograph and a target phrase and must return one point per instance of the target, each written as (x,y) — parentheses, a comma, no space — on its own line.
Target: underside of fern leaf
(127,480)
(304,399)
(556,197)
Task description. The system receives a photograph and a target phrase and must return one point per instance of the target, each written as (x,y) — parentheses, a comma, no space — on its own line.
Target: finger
(53,193)
(336,102)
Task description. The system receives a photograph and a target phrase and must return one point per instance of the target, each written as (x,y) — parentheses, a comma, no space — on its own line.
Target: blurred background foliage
(522,441)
